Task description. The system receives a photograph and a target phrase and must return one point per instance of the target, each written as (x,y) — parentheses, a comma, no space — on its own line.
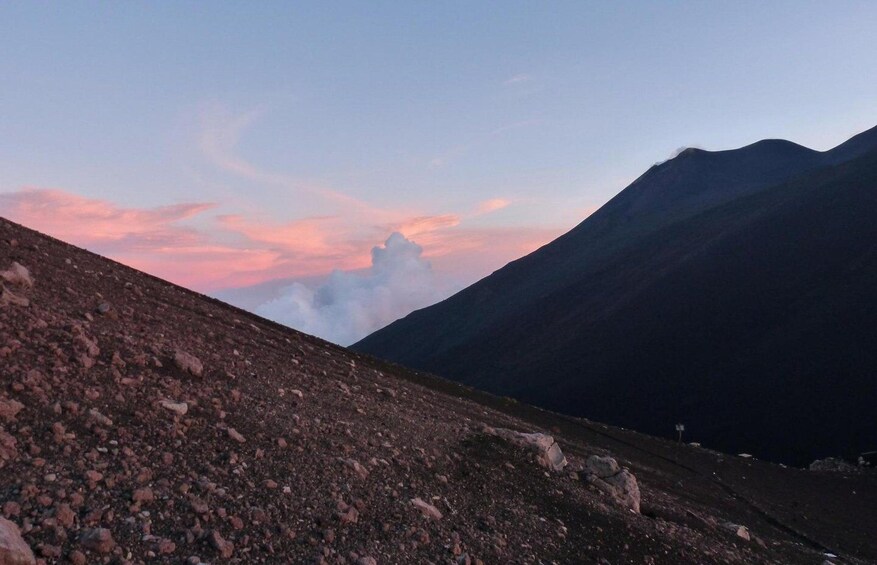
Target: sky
(335,165)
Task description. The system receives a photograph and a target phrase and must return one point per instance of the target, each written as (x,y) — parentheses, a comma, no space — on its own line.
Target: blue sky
(300,135)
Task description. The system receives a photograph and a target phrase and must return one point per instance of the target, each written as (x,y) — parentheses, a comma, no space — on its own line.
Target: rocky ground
(144,423)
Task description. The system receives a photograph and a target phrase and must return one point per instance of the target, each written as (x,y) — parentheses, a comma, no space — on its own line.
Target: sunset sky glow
(226,145)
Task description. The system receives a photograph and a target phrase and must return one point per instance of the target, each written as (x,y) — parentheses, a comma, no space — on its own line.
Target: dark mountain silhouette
(733,291)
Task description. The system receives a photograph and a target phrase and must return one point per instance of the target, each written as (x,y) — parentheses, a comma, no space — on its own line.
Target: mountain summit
(730,290)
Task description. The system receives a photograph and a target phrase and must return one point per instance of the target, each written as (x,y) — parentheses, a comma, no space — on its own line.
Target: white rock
(178,407)
(626,489)
(605,473)
(602,466)
(17,274)
(548,453)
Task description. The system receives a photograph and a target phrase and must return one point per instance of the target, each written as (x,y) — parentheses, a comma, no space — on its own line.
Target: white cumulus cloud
(350,305)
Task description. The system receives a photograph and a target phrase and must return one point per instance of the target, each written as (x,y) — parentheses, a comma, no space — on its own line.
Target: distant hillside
(732,291)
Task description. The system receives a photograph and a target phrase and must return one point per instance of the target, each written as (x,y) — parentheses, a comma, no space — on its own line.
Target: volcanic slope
(732,291)
(144,423)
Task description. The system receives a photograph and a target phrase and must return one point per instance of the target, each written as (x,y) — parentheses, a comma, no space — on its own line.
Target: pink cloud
(99,224)
(150,239)
(184,244)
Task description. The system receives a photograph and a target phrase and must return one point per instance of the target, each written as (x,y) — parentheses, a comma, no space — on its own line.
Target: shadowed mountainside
(731,291)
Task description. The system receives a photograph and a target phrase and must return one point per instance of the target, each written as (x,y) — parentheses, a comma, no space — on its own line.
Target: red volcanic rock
(13,549)
(9,409)
(188,363)
(225,548)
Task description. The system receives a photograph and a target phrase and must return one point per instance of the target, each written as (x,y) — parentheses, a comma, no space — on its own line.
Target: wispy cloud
(478,141)
(221,132)
(517,79)
(492,205)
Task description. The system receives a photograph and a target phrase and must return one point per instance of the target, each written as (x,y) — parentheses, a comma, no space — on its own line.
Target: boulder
(548,453)
(626,489)
(605,473)
(602,466)
(18,275)
(13,549)
(833,464)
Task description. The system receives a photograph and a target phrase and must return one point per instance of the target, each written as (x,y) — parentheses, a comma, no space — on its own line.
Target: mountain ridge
(474,335)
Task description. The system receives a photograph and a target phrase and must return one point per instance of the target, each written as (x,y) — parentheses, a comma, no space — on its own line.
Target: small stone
(427,509)
(235,435)
(99,418)
(176,407)
(355,466)
(143,495)
(349,516)
(166,546)
(97,539)
(188,363)
(65,515)
(741,531)
(220,544)
(9,409)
